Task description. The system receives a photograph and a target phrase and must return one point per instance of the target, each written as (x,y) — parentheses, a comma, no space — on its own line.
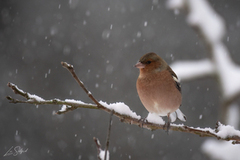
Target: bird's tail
(178,115)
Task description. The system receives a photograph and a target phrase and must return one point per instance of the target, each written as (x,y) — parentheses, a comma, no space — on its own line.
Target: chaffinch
(158,88)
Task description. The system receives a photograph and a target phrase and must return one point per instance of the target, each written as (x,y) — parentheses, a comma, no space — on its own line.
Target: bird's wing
(175,78)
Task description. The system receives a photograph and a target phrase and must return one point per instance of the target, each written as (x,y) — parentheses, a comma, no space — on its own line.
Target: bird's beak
(139,65)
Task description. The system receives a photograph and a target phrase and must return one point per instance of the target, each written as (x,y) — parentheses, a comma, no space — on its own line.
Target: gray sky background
(103,39)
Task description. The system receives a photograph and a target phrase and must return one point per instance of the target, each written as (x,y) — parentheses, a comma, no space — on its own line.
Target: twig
(108,135)
(16,90)
(99,148)
(124,118)
(34,99)
(70,68)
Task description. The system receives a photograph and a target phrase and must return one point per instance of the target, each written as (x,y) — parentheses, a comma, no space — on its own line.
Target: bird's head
(151,62)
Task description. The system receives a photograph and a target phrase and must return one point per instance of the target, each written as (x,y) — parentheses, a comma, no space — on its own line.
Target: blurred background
(103,39)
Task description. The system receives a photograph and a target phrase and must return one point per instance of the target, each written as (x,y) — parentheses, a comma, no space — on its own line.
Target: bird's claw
(142,121)
(167,126)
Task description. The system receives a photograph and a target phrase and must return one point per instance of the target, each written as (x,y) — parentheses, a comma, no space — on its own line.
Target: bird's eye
(148,62)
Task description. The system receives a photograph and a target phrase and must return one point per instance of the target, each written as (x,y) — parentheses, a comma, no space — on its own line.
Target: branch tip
(8,84)
(70,68)
(9,98)
(66,65)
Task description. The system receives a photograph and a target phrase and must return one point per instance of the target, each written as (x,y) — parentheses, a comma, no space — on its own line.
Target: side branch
(68,105)
(99,147)
(129,118)
(102,155)
(70,68)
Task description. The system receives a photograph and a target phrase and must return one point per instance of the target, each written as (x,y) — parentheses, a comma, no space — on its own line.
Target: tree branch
(34,99)
(102,155)
(70,68)
(70,105)
(108,135)
(99,148)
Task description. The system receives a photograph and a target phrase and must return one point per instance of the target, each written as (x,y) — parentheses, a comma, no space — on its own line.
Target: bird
(158,88)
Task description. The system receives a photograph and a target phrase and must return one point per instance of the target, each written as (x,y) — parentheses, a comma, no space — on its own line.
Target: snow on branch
(188,70)
(202,16)
(220,150)
(68,105)
(124,113)
(211,27)
(101,153)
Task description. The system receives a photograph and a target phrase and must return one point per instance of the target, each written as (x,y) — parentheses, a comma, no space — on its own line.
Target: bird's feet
(167,126)
(142,121)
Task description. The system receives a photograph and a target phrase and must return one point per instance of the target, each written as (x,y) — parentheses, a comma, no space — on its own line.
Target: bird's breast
(158,93)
